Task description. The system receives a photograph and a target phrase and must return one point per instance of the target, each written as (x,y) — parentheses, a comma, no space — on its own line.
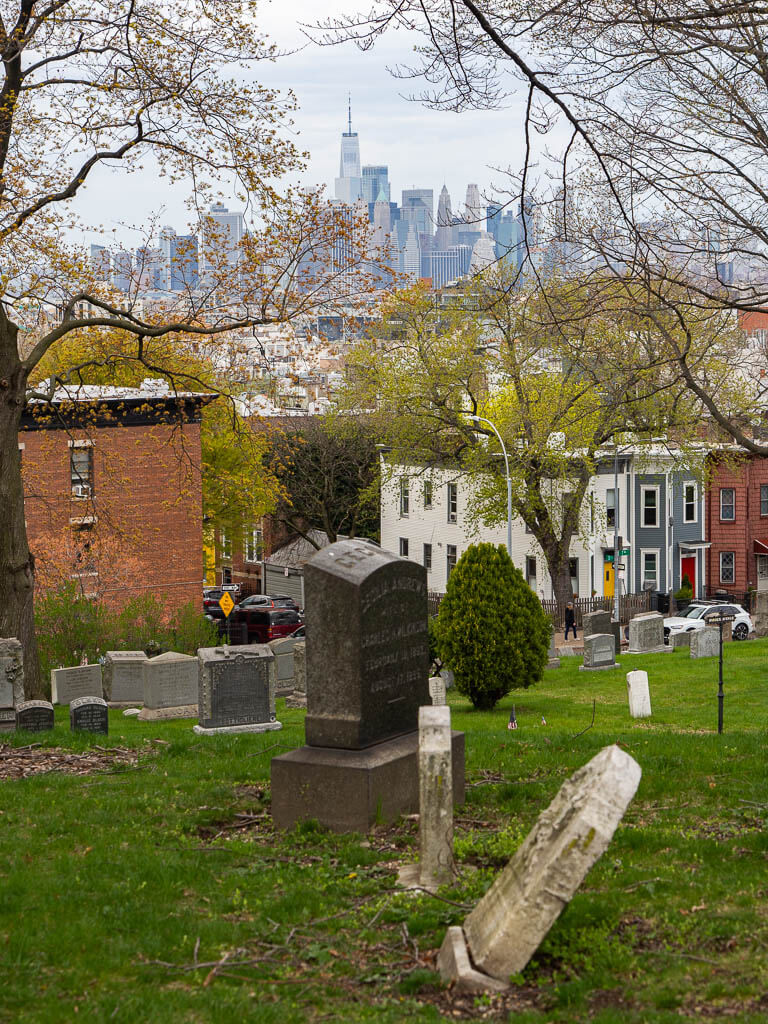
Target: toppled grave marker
(507,926)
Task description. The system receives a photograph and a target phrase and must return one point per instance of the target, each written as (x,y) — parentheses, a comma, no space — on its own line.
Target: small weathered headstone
(285,668)
(170,687)
(437,690)
(599,652)
(11,682)
(646,633)
(67,684)
(89,714)
(131,712)
(35,716)
(680,639)
(447,675)
(124,677)
(552,659)
(237,690)
(639,694)
(596,622)
(705,643)
(298,699)
(507,926)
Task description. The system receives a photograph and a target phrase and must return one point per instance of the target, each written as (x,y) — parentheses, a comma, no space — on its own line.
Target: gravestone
(615,628)
(236,690)
(437,690)
(89,714)
(552,659)
(367,665)
(298,699)
(124,677)
(596,622)
(11,682)
(436,864)
(599,652)
(639,695)
(35,716)
(67,684)
(680,639)
(705,643)
(447,675)
(170,687)
(646,633)
(506,927)
(285,670)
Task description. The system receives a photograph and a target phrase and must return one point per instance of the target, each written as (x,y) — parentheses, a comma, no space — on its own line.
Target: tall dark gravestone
(367,671)
(35,716)
(89,714)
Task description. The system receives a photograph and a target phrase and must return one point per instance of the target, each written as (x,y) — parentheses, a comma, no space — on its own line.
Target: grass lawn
(158,891)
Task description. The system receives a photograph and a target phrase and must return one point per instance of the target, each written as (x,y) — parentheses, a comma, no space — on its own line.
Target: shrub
(492,630)
(685,593)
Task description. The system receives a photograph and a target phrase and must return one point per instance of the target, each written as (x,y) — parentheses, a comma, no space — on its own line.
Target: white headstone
(705,643)
(437,690)
(510,921)
(639,694)
(436,864)
(646,633)
(67,684)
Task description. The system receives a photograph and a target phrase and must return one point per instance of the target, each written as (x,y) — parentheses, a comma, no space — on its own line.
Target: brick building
(737,525)
(113,491)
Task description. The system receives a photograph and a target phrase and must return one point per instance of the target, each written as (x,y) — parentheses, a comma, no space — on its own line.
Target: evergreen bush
(492,630)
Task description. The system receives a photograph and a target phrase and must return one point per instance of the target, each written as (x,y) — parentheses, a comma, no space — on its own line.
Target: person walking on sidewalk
(570,620)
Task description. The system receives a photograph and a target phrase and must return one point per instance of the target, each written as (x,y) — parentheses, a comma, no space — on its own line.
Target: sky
(422,147)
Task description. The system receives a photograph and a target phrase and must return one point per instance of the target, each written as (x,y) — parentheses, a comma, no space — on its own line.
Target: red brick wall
(146,502)
(738,536)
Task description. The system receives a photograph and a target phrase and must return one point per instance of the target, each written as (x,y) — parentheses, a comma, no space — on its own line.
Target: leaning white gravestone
(508,924)
(639,694)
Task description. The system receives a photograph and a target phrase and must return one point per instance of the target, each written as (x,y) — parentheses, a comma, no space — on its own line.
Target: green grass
(113,886)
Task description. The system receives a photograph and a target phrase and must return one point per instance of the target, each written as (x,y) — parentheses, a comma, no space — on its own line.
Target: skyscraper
(223,233)
(418,207)
(100,263)
(445,232)
(180,270)
(473,210)
(348,186)
(375,180)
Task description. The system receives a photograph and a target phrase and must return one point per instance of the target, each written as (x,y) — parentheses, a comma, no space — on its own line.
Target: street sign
(226,604)
(232,588)
(620,567)
(623,551)
(608,556)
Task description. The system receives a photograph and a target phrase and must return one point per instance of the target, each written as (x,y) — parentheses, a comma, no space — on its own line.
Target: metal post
(615,532)
(720,687)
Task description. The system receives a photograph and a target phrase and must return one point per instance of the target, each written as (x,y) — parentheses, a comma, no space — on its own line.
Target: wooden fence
(629,605)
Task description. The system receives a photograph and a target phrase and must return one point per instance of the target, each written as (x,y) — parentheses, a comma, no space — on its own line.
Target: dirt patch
(23,762)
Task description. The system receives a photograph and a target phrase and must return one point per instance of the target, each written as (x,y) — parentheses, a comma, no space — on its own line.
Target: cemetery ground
(149,885)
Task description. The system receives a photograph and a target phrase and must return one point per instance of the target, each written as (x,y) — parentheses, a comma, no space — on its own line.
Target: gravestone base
(253,727)
(599,668)
(296,701)
(652,650)
(160,714)
(351,790)
(553,663)
(120,705)
(455,965)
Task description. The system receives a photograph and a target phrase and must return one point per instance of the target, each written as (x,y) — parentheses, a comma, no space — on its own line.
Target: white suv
(696,616)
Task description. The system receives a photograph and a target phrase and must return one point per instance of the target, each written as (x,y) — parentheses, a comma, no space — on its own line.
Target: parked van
(265,624)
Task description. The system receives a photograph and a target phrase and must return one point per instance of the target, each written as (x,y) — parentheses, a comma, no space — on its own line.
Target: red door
(688,568)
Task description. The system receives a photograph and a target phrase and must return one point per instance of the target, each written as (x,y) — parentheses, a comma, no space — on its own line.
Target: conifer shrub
(492,630)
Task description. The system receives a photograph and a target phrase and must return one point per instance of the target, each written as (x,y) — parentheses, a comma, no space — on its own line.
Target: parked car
(211,598)
(269,601)
(265,624)
(698,614)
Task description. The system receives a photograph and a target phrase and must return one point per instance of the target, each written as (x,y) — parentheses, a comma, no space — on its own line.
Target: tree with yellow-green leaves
(165,89)
(561,372)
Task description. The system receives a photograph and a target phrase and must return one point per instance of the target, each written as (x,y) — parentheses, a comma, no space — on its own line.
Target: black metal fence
(629,606)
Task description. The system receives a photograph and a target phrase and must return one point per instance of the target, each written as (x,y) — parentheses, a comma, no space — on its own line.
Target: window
(428,557)
(405,497)
(254,545)
(450,559)
(610,508)
(81,470)
(649,561)
(453,503)
(650,506)
(225,546)
(427,494)
(85,560)
(689,502)
(727,566)
(727,504)
(226,575)
(764,499)
(403,547)
(573,565)
(530,572)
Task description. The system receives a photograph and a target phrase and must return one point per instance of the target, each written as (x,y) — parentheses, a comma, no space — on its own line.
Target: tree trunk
(17,569)
(558,564)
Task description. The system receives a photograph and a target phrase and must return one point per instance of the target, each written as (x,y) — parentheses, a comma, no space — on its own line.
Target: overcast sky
(422,147)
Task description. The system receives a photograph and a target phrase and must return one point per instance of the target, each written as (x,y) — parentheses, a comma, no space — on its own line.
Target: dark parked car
(265,624)
(211,598)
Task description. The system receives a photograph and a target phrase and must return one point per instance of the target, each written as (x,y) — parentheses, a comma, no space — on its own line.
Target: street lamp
(482,419)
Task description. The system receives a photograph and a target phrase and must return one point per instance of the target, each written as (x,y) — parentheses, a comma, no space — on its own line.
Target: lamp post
(482,419)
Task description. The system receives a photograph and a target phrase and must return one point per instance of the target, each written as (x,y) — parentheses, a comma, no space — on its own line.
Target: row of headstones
(229,690)
(646,636)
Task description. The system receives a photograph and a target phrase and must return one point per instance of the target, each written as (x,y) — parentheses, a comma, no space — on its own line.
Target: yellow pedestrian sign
(226,604)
